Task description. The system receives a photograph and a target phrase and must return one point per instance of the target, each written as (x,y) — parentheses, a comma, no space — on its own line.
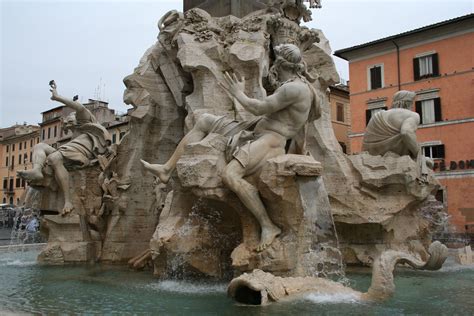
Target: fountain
(231,169)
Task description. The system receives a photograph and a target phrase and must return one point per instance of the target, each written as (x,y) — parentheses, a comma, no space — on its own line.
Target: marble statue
(282,116)
(261,288)
(395,131)
(90,139)
(237,106)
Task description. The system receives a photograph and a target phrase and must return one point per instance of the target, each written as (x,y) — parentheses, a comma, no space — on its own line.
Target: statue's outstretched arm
(67,102)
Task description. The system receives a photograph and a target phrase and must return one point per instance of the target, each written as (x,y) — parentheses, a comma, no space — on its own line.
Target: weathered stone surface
(261,288)
(294,196)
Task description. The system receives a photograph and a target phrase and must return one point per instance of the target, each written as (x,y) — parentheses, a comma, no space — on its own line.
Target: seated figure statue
(395,131)
(281,116)
(90,139)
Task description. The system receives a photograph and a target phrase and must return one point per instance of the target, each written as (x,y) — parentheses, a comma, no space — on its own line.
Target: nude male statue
(90,139)
(395,131)
(282,116)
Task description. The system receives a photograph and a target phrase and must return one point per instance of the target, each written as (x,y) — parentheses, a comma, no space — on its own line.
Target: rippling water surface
(95,289)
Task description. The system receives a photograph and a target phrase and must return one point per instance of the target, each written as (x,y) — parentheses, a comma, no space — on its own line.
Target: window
(122,134)
(11,200)
(6,162)
(31,157)
(31,143)
(49,132)
(434,151)
(114,138)
(5,183)
(18,182)
(19,145)
(426,66)
(38,140)
(55,131)
(13,147)
(8,148)
(24,145)
(11,184)
(340,112)
(371,112)
(42,136)
(429,110)
(25,158)
(19,159)
(375,75)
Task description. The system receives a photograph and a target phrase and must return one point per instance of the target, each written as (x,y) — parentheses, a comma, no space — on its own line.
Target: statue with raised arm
(90,139)
(395,131)
(280,117)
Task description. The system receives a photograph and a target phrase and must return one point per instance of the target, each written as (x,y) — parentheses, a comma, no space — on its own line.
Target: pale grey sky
(84,44)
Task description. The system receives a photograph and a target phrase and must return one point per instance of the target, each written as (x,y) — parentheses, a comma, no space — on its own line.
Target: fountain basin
(28,287)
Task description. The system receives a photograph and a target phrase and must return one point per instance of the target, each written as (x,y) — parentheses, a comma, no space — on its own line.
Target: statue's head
(403,100)
(135,94)
(287,59)
(69,122)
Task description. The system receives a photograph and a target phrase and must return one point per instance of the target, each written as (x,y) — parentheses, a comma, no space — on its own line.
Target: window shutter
(368,115)
(437,109)
(434,60)
(378,72)
(416,69)
(373,74)
(419,111)
(441,151)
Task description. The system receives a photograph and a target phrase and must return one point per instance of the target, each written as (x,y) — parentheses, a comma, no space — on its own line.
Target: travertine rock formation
(194,225)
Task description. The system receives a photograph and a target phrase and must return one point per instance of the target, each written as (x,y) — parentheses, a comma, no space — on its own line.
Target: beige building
(16,144)
(341,115)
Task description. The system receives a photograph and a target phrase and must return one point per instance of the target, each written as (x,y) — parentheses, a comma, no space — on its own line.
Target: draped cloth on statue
(381,137)
(92,141)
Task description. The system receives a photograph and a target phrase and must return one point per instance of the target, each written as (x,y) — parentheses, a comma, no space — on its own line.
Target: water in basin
(32,288)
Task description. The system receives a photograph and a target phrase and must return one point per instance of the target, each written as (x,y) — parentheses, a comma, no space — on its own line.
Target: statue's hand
(233,86)
(54,93)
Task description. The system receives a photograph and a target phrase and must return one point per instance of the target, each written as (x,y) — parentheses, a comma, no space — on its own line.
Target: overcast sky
(84,44)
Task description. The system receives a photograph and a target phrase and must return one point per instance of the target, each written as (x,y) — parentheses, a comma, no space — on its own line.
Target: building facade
(341,115)
(436,62)
(16,145)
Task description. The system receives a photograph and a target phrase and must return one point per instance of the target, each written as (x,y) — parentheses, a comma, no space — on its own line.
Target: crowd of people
(24,224)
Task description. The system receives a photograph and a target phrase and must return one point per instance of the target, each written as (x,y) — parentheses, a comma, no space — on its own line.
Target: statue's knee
(40,147)
(205,122)
(55,159)
(229,178)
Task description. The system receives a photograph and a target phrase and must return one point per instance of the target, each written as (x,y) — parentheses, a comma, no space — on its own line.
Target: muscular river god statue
(238,107)
(281,116)
(90,139)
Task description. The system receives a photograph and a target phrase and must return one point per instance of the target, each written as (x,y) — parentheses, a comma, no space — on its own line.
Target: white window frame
(382,74)
(430,145)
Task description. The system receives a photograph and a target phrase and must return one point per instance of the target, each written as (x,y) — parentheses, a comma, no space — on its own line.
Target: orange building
(437,63)
(341,115)
(16,145)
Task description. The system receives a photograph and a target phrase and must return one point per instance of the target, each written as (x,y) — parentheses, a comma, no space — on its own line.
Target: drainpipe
(398,63)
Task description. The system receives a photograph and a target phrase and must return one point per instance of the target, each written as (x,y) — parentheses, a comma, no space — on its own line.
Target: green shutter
(419,111)
(437,109)
(416,69)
